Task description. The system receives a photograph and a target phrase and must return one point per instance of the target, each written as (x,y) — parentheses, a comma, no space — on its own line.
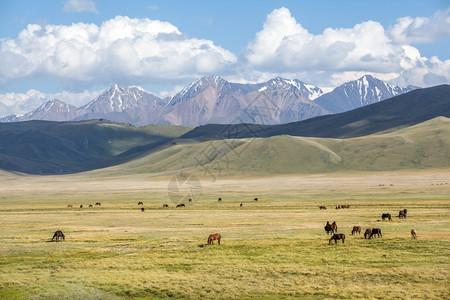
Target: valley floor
(274,248)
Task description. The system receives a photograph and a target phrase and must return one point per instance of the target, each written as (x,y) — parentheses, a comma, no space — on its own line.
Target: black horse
(386,216)
(59,234)
(329,228)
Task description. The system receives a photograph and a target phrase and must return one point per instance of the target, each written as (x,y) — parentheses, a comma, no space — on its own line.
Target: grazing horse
(402,214)
(414,233)
(322,207)
(59,234)
(90,205)
(367,233)
(345,206)
(336,237)
(181,205)
(375,231)
(70,205)
(98,204)
(356,229)
(140,203)
(213,237)
(386,216)
(142,209)
(328,228)
(334,226)
(256,199)
(165,205)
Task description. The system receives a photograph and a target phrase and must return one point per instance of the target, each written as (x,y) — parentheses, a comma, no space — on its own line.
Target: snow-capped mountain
(215,100)
(124,104)
(361,92)
(52,110)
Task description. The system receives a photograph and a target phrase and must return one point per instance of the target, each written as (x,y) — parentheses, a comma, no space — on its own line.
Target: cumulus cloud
(80,5)
(121,49)
(283,45)
(410,30)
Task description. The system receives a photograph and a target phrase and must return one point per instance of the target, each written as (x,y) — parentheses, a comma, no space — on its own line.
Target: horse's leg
(218,240)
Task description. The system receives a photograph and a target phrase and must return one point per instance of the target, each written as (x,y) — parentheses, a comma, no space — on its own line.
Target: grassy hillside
(421,146)
(41,147)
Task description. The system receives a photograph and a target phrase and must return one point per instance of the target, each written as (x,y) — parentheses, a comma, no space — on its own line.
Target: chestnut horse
(402,214)
(213,237)
(336,237)
(414,233)
(334,226)
(322,207)
(356,229)
(375,231)
(367,233)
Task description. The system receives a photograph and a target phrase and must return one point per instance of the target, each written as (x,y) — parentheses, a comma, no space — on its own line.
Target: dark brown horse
(59,235)
(376,231)
(402,214)
(140,203)
(367,233)
(213,237)
(81,206)
(356,229)
(90,205)
(240,205)
(328,228)
(181,205)
(165,205)
(256,199)
(336,237)
(142,209)
(322,207)
(220,199)
(345,206)
(386,216)
(98,204)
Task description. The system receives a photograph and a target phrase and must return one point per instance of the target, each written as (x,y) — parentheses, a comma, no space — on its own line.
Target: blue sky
(74,49)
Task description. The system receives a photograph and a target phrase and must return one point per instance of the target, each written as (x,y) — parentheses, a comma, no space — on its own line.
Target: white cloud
(338,54)
(121,49)
(421,30)
(80,5)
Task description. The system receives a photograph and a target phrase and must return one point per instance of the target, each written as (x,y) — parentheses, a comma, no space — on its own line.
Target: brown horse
(70,205)
(402,214)
(322,207)
(336,237)
(140,203)
(367,233)
(98,204)
(165,205)
(213,237)
(90,205)
(334,226)
(240,205)
(376,231)
(414,233)
(345,206)
(181,205)
(356,229)
(59,234)
(81,206)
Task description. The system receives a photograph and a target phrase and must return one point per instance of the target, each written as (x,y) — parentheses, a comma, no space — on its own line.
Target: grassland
(273,248)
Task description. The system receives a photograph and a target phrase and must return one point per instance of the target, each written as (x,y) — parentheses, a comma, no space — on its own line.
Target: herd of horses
(329,228)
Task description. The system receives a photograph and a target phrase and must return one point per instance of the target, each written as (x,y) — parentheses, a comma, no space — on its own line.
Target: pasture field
(275,248)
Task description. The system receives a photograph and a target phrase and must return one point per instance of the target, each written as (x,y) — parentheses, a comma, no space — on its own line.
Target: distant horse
(356,229)
(328,228)
(414,233)
(142,209)
(334,226)
(98,204)
(220,199)
(375,231)
(336,237)
(90,205)
(322,207)
(59,234)
(190,200)
(240,205)
(213,237)
(70,205)
(386,216)
(81,206)
(345,206)
(256,199)
(338,207)
(140,203)
(367,233)
(181,205)
(402,214)
(165,205)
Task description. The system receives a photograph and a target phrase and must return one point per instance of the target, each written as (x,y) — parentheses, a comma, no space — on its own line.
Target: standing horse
(181,205)
(328,228)
(386,216)
(213,237)
(336,237)
(414,233)
(334,226)
(367,233)
(356,229)
(165,205)
(58,234)
(402,214)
